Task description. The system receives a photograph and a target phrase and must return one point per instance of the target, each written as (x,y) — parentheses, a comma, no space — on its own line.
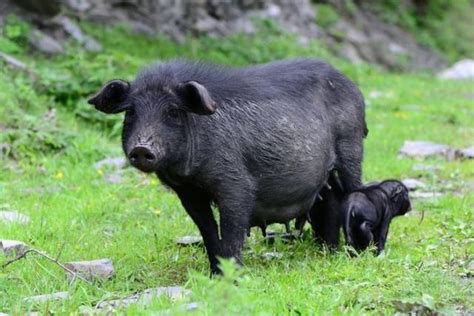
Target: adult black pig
(259,142)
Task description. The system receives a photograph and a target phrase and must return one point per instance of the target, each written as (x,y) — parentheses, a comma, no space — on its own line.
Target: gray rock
(47,297)
(111,162)
(466,153)
(14,217)
(12,247)
(423,167)
(272,255)
(12,61)
(90,270)
(463,69)
(380,94)
(423,149)
(182,308)
(425,195)
(285,237)
(79,5)
(76,33)
(146,297)
(44,43)
(413,184)
(114,178)
(189,240)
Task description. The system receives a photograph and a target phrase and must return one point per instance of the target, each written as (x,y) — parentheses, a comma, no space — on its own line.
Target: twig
(44,255)
(422,216)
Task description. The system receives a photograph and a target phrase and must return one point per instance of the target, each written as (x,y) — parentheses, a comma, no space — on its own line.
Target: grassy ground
(47,173)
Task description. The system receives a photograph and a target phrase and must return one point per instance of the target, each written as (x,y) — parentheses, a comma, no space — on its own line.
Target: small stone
(413,184)
(466,153)
(12,61)
(76,33)
(12,247)
(272,255)
(93,269)
(146,297)
(379,94)
(14,217)
(425,195)
(463,69)
(44,43)
(285,237)
(423,149)
(422,167)
(182,308)
(47,297)
(113,178)
(111,162)
(189,240)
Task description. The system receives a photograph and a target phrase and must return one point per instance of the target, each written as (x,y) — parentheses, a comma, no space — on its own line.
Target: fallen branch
(422,216)
(45,255)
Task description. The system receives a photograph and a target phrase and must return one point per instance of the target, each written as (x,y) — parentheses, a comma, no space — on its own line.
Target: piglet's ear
(397,191)
(110,98)
(196,98)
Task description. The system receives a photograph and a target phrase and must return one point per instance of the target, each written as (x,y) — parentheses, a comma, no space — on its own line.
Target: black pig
(324,215)
(367,213)
(259,142)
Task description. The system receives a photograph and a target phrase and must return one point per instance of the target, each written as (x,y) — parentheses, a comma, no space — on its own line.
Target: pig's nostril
(149,157)
(133,156)
(142,157)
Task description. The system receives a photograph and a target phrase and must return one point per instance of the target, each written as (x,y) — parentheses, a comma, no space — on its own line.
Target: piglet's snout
(143,157)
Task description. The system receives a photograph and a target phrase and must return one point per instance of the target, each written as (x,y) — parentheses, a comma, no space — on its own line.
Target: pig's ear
(196,98)
(110,98)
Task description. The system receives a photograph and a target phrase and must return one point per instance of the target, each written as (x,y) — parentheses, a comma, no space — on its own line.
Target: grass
(52,179)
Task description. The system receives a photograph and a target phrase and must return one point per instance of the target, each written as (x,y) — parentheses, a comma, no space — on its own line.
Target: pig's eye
(174,114)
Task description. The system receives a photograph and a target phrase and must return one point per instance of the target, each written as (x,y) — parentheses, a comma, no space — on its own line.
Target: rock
(285,237)
(182,308)
(379,94)
(425,195)
(423,149)
(12,247)
(146,297)
(272,255)
(94,269)
(12,61)
(79,5)
(44,43)
(466,153)
(423,167)
(14,217)
(413,184)
(463,69)
(47,297)
(114,178)
(111,162)
(75,32)
(189,240)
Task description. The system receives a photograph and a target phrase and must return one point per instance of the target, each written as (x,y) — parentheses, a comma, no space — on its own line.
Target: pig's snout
(143,157)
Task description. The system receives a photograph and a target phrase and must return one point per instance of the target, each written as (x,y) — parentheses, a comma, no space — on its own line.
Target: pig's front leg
(235,210)
(198,206)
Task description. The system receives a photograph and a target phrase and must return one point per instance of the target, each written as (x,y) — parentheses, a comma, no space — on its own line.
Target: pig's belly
(265,214)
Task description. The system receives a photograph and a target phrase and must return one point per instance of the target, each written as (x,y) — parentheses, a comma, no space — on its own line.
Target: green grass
(135,223)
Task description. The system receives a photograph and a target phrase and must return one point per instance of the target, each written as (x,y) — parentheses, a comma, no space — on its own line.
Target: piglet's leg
(382,239)
(366,229)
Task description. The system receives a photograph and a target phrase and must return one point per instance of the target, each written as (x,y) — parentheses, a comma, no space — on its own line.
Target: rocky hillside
(355,30)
